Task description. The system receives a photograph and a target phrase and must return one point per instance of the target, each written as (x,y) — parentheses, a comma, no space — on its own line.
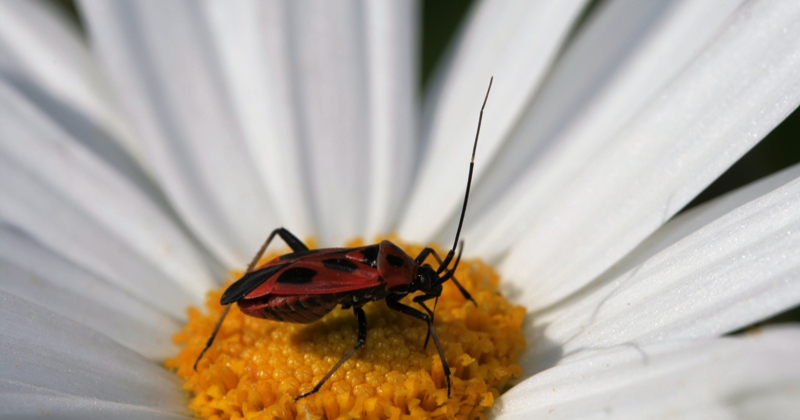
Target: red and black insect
(306,284)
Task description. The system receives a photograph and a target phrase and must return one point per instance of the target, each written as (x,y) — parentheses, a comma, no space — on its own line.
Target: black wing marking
(297,275)
(370,254)
(248,282)
(340,264)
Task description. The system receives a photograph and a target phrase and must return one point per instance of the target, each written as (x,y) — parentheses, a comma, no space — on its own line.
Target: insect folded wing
(324,276)
(250,282)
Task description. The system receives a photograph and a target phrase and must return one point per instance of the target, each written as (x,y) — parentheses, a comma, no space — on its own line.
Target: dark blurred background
(440,22)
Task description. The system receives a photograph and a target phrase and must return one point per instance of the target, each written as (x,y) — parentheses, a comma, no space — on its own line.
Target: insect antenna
(450,275)
(452,251)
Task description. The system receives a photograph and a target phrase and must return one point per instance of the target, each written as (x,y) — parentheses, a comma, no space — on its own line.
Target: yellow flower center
(257,367)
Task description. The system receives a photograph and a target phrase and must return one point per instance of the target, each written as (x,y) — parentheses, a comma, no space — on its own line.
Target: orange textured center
(256,367)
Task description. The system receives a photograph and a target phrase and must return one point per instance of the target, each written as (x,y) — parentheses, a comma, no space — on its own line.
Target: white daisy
(138,166)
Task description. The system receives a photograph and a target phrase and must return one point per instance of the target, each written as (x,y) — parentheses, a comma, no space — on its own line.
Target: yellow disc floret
(257,367)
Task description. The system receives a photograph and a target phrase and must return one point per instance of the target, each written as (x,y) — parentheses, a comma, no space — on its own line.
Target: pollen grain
(257,367)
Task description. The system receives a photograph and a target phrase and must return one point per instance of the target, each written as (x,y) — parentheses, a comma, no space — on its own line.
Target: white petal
(514,41)
(617,64)
(43,56)
(713,378)
(338,79)
(741,86)
(736,270)
(329,60)
(41,350)
(61,194)
(688,222)
(35,274)
(163,66)
(252,39)
(391,29)
(25,401)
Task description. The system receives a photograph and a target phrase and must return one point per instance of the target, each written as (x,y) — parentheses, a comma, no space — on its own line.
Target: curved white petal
(391,30)
(162,64)
(327,46)
(31,272)
(730,273)
(619,62)
(752,376)
(730,96)
(252,39)
(58,192)
(44,57)
(24,401)
(329,86)
(341,87)
(688,222)
(514,41)
(44,352)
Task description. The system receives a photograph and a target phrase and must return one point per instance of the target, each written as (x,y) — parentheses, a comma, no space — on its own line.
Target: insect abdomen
(298,309)
(304,309)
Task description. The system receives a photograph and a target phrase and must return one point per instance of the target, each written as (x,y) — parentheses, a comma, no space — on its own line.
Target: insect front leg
(361,317)
(448,274)
(424,255)
(295,244)
(393,303)
(421,301)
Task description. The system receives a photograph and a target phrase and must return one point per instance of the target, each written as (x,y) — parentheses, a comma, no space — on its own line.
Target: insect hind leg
(213,335)
(361,317)
(288,237)
(291,240)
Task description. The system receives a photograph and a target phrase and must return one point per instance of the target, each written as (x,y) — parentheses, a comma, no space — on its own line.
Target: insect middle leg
(295,244)
(361,317)
(393,303)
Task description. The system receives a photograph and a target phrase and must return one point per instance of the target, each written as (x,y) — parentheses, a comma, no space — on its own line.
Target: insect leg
(213,335)
(295,244)
(392,303)
(362,338)
(424,255)
(449,273)
(291,240)
(421,301)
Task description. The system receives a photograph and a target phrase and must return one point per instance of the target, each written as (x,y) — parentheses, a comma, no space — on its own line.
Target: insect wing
(317,276)
(249,282)
(261,276)
(312,272)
